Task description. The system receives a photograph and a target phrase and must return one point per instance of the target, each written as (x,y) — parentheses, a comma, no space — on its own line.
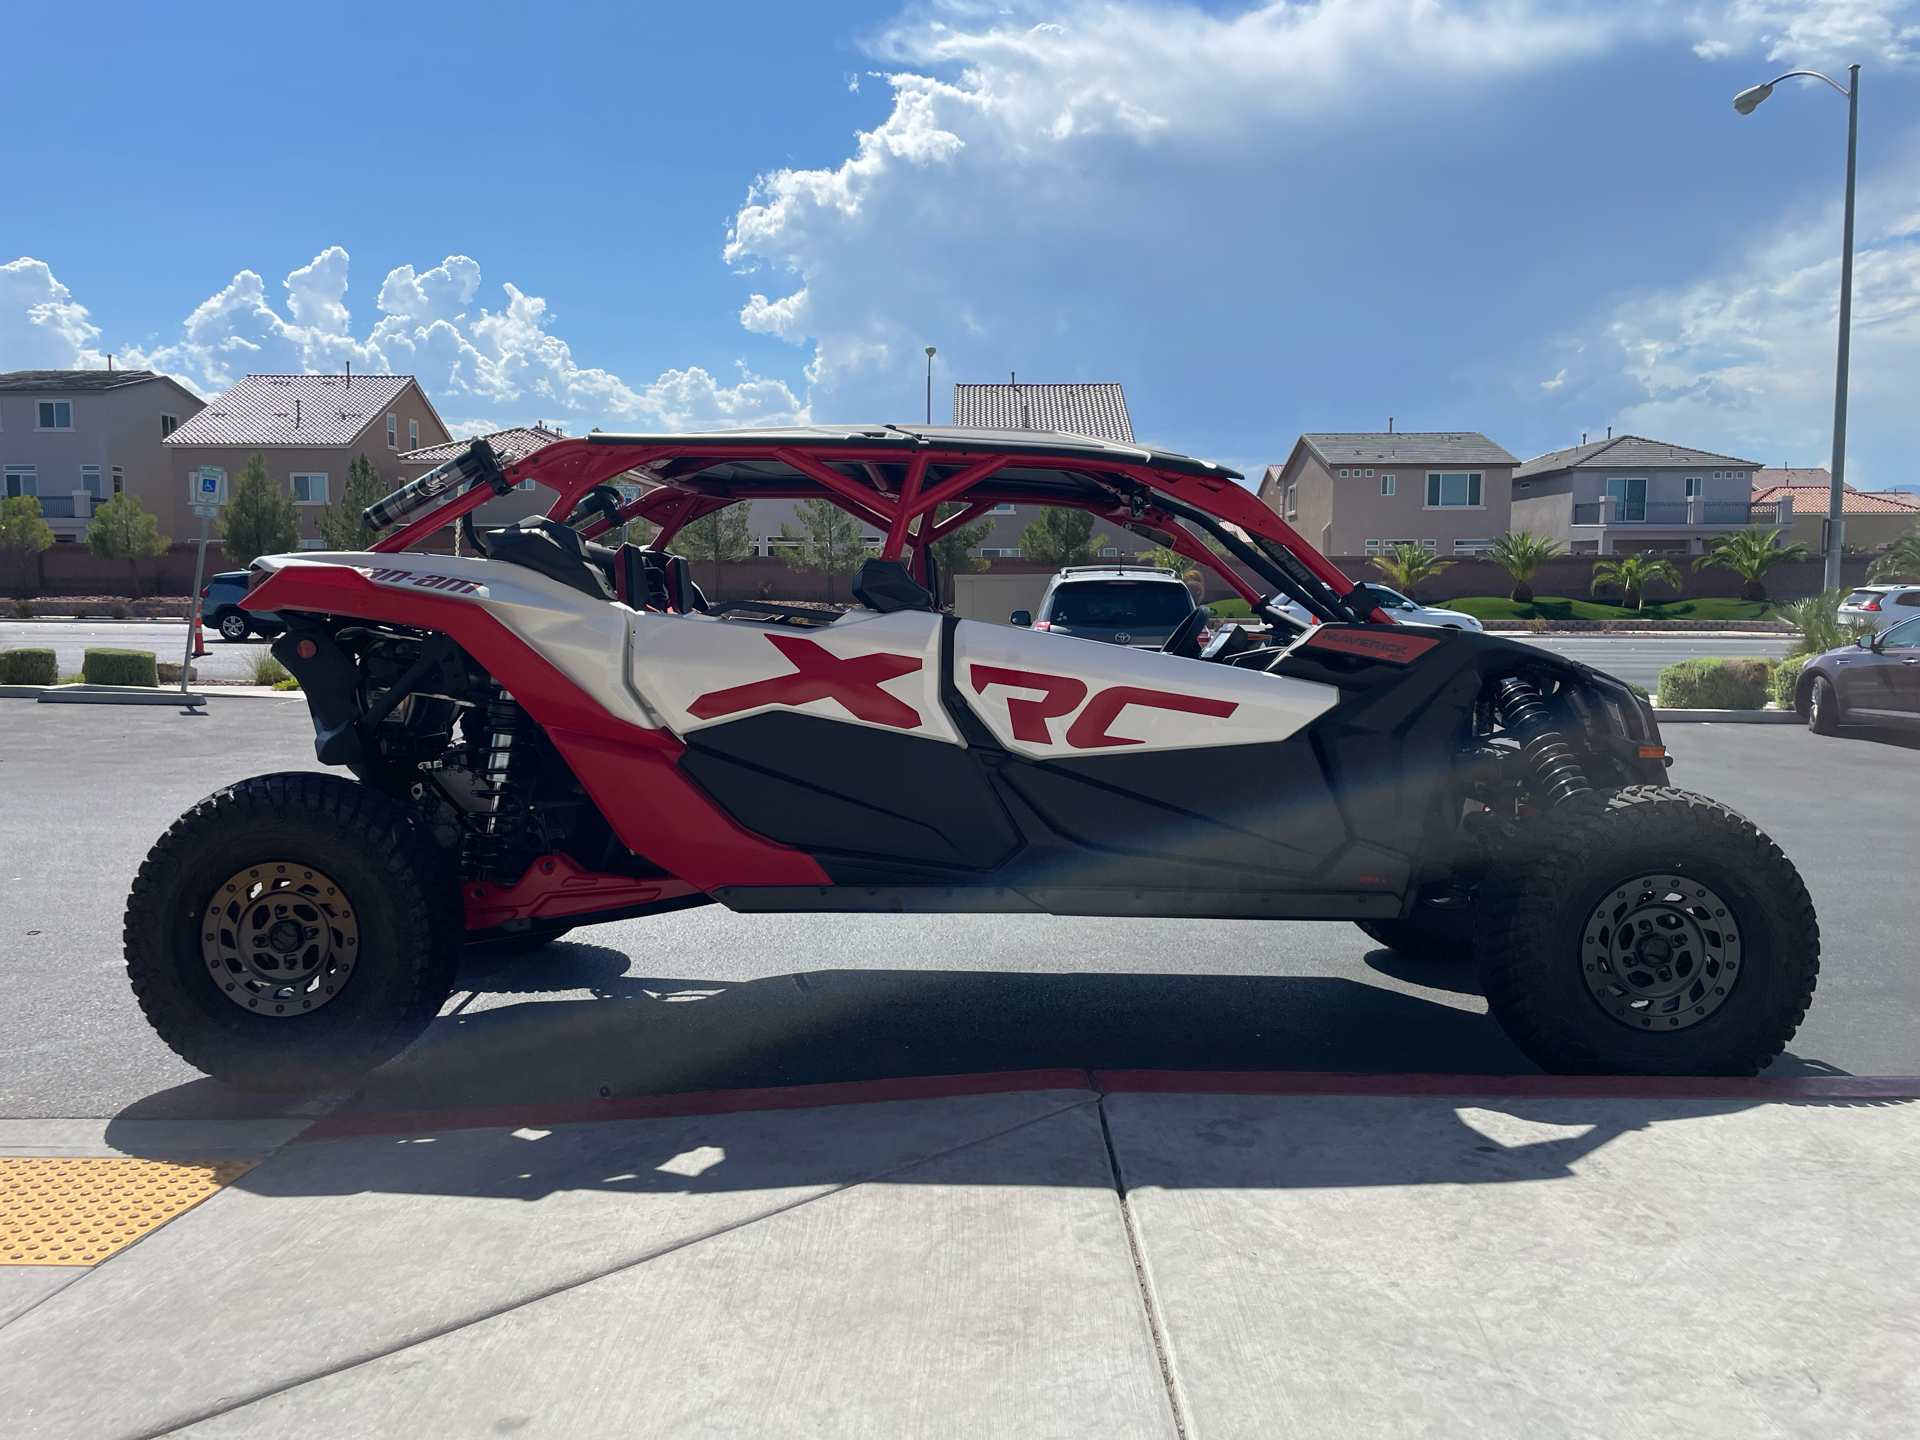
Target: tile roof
(15,382)
(1812,500)
(1407,447)
(1627,452)
(262,410)
(510,445)
(1097,410)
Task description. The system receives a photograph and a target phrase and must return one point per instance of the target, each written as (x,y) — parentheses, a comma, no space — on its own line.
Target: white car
(1878,607)
(1403,611)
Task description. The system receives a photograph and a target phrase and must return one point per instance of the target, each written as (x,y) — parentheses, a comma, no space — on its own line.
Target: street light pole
(931,351)
(1745,102)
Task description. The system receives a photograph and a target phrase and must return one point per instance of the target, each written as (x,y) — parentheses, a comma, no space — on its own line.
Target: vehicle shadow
(1898,739)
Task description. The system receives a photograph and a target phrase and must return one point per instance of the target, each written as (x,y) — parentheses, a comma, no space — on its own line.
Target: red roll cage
(896,478)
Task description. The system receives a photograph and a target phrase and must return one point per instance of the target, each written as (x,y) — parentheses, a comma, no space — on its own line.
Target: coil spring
(493,829)
(1556,773)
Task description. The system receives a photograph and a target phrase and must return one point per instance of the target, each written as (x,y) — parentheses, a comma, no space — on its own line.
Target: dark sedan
(1875,681)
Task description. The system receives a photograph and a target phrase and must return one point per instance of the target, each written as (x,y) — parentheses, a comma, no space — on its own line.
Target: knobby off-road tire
(1823,707)
(1438,935)
(391,936)
(1556,931)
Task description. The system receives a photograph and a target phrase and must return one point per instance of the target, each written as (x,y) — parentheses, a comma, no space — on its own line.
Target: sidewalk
(1165,1254)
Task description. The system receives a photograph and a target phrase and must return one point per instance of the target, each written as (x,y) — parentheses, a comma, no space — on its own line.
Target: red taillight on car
(1871,605)
(203,591)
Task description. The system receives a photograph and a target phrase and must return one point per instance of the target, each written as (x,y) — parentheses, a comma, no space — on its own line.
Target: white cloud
(41,328)
(1813,33)
(1556,382)
(480,366)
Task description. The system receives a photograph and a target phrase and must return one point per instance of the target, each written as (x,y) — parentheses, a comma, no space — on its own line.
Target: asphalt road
(167,639)
(1641,661)
(708,999)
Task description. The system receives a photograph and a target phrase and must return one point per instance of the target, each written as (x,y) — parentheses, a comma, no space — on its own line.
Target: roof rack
(1146,569)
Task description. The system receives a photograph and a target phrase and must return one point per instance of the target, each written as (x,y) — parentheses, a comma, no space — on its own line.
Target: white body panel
(697,671)
(1103,699)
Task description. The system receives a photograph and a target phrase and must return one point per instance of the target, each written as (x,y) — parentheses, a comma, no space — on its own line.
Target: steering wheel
(1185,639)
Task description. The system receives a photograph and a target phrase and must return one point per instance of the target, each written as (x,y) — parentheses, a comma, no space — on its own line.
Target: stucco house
(1627,494)
(1363,492)
(74,438)
(1870,520)
(308,429)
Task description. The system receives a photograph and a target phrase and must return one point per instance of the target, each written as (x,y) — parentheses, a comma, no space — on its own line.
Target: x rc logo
(1063,695)
(819,674)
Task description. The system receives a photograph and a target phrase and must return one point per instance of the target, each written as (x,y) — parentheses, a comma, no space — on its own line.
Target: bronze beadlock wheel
(280,938)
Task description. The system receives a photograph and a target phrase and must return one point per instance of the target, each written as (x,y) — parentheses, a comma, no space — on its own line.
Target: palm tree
(1750,554)
(1521,556)
(1817,618)
(1407,564)
(1900,561)
(1633,573)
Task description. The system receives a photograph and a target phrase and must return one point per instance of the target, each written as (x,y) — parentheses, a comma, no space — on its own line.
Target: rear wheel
(292,932)
(233,626)
(1648,931)
(1823,707)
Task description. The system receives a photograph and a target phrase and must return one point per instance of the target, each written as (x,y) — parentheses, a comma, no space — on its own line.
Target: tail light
(204,589)
(1871,605)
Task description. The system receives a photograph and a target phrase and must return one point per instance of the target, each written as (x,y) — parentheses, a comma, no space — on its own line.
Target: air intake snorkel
(476,465)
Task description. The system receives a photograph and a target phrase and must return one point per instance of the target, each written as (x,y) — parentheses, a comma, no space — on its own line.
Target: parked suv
(1879,607)
(1403,611)
(220,609)
(1133,605)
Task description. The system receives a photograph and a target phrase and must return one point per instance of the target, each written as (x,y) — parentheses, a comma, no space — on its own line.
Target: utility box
(994,598)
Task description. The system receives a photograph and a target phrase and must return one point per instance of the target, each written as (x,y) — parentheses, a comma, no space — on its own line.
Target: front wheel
(233,627)
(292,932)
(1648,931)
(1823,708)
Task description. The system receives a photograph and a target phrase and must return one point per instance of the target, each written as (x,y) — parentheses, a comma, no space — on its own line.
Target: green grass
(1546,607)
(1230,609)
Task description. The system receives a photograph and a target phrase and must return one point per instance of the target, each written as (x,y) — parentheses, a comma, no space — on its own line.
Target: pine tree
(260,518)
(716,539)
(1061,536)
(342,525)
(23,535)
(827,539)
(123,530)
(950,555)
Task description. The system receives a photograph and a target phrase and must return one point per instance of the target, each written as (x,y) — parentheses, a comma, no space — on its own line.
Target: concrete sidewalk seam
(452,1327)
(1140,1277)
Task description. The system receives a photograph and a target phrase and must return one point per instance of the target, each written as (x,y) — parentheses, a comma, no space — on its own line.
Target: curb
(1728,717)
(1117,1082)
(102,695)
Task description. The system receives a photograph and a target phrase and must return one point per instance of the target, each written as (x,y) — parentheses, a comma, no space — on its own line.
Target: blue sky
(1529,217)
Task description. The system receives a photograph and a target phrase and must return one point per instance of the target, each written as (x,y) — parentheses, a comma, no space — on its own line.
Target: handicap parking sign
(210,485)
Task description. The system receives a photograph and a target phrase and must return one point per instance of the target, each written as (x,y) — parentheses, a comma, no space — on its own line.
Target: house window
(1472,547)
(1386,484)
(1293,501)
(1453,489)
(413,434)
(1110,553)
(22,480)
(1390,544)
(56,415)
(526,485)
(1739,474)
(1430,546)
(1001,510)
(119,481)
(781,542)
(1373,547)
(1693,486)
(1369,474)
(168,424)
(313,544)
(92,483)
(309,489)
(1628,497)
(1013,554)
(393,433)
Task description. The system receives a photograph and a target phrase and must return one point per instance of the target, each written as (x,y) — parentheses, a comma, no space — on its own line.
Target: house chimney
(1389,424)
(349,374)
(109,362)
(1609,432)
(1583,437)
(296,412)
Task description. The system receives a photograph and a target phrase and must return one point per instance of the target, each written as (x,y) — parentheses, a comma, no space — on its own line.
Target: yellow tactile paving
(78,1212)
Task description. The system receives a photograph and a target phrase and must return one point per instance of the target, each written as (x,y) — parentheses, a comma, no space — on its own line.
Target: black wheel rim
(279,939)
(1661,952)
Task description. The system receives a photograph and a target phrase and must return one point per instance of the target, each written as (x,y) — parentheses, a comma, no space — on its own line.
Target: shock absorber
(493,826)
(1556,773)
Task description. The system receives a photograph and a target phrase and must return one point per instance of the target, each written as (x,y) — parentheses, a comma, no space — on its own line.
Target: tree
(1817,619)
(341,524)
(260,518)
(123,530)
(827,539)
(1168,558)
(1750,554)
(716,539)
(1900,561)
(1407,564)
(1521,556)
(1633,573)
(950,555)
(23,534)
(1061,536)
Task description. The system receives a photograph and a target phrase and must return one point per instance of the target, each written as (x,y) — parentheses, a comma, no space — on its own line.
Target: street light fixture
(930,354)
(1746,102)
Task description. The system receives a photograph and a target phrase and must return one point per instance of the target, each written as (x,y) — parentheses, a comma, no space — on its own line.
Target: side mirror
(1206,610)
(1023,618)
(1876,642)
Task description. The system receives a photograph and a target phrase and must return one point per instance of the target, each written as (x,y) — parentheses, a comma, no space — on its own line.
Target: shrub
(28,667)
(23,609)
(1785,676)
(268,671)
(1817,618)
(120,610)
(120,667)
(287,684)
(1710,684)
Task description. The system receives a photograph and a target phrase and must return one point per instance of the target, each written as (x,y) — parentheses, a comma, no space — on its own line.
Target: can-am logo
(447,584)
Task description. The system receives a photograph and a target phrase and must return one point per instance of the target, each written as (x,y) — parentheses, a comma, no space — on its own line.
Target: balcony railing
(1702,513)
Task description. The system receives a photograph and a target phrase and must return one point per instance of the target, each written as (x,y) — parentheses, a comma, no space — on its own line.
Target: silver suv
(1879,607)
(1135,605)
